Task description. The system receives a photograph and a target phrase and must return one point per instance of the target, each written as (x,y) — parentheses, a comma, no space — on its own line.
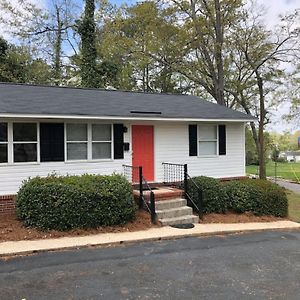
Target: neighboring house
(76,131)
(291,156)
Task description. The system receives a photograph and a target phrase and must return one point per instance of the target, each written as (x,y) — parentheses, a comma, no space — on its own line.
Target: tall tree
(48,31)
(258,60)
(87,31)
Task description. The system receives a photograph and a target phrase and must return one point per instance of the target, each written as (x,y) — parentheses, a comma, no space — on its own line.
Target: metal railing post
(152,208)
(185,181)
(141,187)
(200,198)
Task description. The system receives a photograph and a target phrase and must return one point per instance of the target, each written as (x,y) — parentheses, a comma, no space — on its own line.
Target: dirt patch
(13,230)
(231,217)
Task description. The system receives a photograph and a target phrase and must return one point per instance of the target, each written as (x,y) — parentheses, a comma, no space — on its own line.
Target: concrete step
(180,220)
(168,204)
(174,212)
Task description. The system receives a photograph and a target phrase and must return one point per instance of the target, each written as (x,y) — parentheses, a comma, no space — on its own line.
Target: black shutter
(52,142)
(193,143)
(118,141)
(222,139)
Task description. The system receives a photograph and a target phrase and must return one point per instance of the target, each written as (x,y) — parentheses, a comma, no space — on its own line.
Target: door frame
(154,144)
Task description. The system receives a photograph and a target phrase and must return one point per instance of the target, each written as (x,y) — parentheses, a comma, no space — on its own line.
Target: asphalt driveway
(294,187)
(247,266)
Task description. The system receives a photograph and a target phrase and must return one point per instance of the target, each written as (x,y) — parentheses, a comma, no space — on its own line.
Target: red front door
(143,149)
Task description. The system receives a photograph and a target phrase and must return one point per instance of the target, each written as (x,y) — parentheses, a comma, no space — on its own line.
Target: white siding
(171,145)
(11,176)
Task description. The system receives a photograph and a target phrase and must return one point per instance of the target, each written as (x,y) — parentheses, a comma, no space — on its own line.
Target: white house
(62,130)
(291,156)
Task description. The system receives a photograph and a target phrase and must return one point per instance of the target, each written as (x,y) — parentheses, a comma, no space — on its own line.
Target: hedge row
(87,201)
(260,197)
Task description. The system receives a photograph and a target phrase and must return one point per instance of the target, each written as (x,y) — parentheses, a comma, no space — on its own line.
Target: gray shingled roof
(29,99)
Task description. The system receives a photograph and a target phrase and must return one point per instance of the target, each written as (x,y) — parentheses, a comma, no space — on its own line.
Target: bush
(241,197)
(214,195)
(272,199)
(86,201)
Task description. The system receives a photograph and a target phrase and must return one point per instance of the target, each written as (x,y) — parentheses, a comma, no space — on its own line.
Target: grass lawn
(284,170)
(294,206)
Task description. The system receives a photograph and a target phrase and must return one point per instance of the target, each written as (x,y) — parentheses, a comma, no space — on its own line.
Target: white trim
(88,117)
(216,140)
(89,144)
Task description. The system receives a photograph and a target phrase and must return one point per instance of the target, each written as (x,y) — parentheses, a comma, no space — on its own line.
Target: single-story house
(291,156)
(47,129)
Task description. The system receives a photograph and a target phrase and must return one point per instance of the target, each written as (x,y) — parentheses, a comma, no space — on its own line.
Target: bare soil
(232,217)
(12,229)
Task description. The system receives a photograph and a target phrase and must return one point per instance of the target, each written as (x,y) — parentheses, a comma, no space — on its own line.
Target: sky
(273,10)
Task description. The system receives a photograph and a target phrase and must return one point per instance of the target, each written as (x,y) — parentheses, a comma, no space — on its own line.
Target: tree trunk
(219,87)
(262,115)
(57,59)
(87,33)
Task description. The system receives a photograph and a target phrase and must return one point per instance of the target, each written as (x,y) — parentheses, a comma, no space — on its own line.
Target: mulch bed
(13,230)
(231,217)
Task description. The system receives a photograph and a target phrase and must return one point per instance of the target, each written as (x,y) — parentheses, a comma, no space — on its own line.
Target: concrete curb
(153,234)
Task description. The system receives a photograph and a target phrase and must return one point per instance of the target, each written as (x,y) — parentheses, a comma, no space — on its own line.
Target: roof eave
(133,118)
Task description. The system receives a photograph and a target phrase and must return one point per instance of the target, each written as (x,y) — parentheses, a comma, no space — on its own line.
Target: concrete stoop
(175,211)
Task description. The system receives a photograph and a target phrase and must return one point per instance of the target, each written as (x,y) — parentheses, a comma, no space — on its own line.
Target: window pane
(207,132)
(76,151)
(3,132)
(25,132)
(101,150)
(77,132)
(3,153)
(207,148)
(101,132)
(25,152)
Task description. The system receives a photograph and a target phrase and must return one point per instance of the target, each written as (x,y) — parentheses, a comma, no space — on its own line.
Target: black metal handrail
(135,175)
(173,173)
(151,209)
(177,174)
(131,173)
(199,195)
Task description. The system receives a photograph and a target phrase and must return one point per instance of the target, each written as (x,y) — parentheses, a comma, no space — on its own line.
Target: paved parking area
(263,265)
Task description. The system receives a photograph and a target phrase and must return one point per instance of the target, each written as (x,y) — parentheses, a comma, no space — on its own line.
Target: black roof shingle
(39,100)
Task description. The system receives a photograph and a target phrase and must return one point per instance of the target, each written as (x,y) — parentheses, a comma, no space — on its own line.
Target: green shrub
(241,197)
(86,201)
(272,199)
(214,195)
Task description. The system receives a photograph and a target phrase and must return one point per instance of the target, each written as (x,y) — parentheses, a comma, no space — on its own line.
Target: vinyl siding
(170,145)
(11,176)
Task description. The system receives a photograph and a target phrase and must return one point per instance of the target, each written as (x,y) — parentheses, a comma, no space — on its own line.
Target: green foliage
(87,30)
(86,201)
(260,197)
(214,196)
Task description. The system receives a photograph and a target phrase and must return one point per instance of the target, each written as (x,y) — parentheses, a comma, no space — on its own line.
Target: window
(207,139)
(77,142)
(89,141)
(25,142)
(101,141)
(3,143)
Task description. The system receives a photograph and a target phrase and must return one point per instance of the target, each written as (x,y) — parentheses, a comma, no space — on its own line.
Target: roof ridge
(90,89)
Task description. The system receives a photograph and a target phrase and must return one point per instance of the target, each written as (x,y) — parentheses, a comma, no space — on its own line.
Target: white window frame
(89,143)
(216,140)
(102,142)
(12,143)
(75,142)
(5,143)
